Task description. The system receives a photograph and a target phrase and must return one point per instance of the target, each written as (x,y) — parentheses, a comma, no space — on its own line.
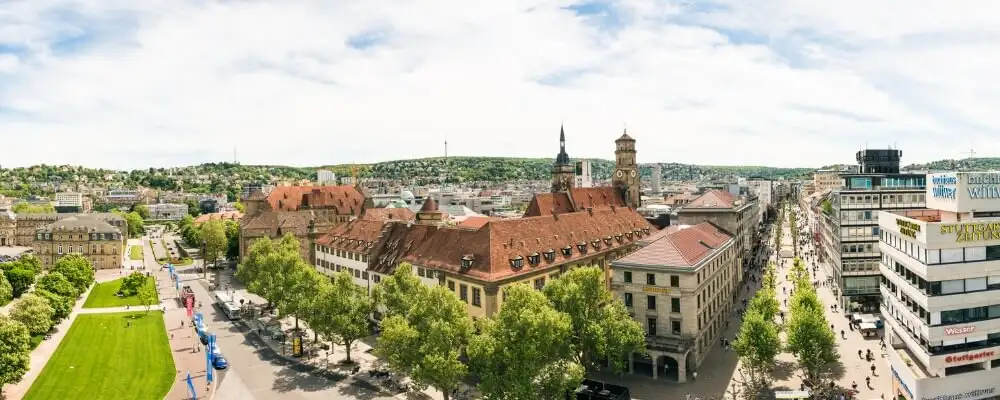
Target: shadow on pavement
(783,370)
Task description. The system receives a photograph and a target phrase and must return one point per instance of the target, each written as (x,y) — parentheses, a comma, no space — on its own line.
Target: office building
(850,228)
(656,180)
(583,177)
(679,285)
(166,211)
(736,214)
(826,179)
(763,188)
(325,177)
(69,200)
(940,289)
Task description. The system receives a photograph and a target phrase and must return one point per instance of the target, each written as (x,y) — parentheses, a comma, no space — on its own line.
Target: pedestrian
(182,324)
(694,376)
(859,353)
(868,381)
(873,370)
(842,335)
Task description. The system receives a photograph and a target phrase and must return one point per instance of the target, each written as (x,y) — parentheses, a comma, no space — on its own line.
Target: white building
(657,179)
(167,211)
(764,188)
(583,177)
(69,199)
(326,177)
(940,290)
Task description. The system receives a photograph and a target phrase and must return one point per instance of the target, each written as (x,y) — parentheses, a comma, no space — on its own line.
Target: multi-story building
(656,180)
(738,215)
(249,188)
(325,177)
(850,230)
(826,179)
(679,285)
(84,234)
(69,200)
(8,228)
(166,211)
(940,289)
(763,188)
(584,179)
(28,223)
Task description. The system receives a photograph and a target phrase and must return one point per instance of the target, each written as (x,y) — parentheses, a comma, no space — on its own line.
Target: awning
(867,326)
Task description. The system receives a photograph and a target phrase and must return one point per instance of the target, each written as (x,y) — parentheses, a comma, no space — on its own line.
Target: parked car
(219,361)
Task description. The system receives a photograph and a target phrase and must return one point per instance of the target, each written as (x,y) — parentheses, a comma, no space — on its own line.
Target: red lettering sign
(959,330)
(969,357)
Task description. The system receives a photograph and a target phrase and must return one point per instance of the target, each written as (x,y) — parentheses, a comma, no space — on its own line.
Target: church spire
(562,157)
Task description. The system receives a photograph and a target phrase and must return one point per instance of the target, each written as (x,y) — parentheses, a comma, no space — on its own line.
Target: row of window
(875,200)
(941,256)
(948,317)
(945,287)
(463,293)
(675,326)
(92,236)
(858,248)
(675,281)
(859,232)
(94,249)
(350,255)
(940,347)
(859,265)
(675,302)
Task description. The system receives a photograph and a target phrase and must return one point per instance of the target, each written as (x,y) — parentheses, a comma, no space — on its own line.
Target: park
(106,294)
(109,356)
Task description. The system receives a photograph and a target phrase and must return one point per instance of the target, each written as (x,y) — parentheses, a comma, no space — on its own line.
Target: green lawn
(100,358)
(103,295)
(136,253)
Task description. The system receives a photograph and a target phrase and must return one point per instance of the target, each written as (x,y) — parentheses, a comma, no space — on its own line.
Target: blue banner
(194,394)
(209,370)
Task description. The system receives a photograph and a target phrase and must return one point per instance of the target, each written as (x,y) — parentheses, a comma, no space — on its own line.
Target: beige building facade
(98,241)
(8,228)
(680,286)
(826,180)
(28,223)
(737,215)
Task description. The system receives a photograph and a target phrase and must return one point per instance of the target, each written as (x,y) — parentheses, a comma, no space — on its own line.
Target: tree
(34,312)
(142,210)
(213,233)
(304,295)
(57,283)
(428,341)
(25,207)
(232,239)
(61,306)
(77,270)
(524,350)
(147,296)
(809,334)
(273,269)
(193,209)
(757,344)
(15,350)
(6,290)
(602,327)
(132,283)
(28,262)
(20,280)
(396,292)
(240,207)
(135,224)
(345,308)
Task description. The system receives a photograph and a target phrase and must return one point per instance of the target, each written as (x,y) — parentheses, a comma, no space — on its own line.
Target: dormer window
(468,260)
(637,232)
(628,235)
(567,251)
(534,258)
(517,262)
(550,255)
(607,240)
(618,237)
(645,231)
(596,243)
(582,246)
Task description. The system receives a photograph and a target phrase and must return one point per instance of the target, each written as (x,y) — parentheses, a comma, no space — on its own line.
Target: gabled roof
(389,214)
(492,247)
(295,222)
(683,248)
(713,199)
(398,240)
(548,204)
(346,200)
(225,215)
(358,235)
(576,199)
(475,222)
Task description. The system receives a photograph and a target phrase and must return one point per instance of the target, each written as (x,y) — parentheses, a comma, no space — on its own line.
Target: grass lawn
(100,358)
(103,295)
(177,262)
(136,253)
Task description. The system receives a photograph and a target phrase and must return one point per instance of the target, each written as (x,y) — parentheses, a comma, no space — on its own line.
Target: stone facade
(8,227)
(98,241)
(28,223)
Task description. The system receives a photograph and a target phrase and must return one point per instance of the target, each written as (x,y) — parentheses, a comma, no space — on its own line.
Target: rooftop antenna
(234,155)
(445,160)
(972,153)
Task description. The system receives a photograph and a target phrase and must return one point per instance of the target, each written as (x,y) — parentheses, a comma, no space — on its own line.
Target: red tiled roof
(499,241)
(389,214)
(584,198)
(398,239)
(713,199)
(429,205)
(347,200)
(549,203)
(358,235)
(682,248)
(474,222)
(227,215)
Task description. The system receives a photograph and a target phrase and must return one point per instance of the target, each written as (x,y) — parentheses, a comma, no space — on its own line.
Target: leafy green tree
(61,306)
(15,350)
(305,291)
(193,209)
(240,207)
(524,351)
(213,234)
(24,207)
(132,283)
(428,341)
(142,210)
(135,224)
(344,308)
(272,269)
(77,270)
(57,283)
(757,344)
(602,327)
(232,239)
(147,296)
(809,334)
(27,261)
(396,292)
(20,280)
(34,312)
(6,290)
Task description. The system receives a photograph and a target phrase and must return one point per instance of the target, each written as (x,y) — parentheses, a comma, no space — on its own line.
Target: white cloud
(776,82)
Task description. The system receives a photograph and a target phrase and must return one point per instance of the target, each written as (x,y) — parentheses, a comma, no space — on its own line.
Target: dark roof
(389,214)
(81,222)
(357,236)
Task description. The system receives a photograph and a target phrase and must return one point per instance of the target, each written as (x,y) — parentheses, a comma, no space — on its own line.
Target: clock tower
(563,172)
(626,174)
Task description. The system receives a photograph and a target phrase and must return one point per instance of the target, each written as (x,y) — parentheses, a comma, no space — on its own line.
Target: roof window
(567,251)
(582,246)
(468,260)
(607,240)
(596,243)
(534,258)
(550,255)
(517,262)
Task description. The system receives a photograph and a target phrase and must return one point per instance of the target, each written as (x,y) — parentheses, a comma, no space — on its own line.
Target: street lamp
(204,261)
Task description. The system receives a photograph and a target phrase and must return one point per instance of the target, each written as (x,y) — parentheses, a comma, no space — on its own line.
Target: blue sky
(124,84)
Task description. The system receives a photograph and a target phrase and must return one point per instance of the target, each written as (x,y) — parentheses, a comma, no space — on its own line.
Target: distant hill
(965,164)
(468,169)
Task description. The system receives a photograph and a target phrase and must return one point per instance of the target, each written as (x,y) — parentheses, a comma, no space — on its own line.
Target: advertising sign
(961,330)
(189,306)
(980,356)
(297,346)
(944,186)
(983,186)
(973,232)
(907,228)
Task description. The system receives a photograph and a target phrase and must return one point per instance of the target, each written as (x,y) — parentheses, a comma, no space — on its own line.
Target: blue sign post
(209,370)
(190,383)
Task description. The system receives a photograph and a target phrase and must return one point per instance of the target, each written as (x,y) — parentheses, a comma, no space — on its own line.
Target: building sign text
(940,189)
(987,186)
(959,330)
(654,289)
(970,357)
(973,232)
(907,228)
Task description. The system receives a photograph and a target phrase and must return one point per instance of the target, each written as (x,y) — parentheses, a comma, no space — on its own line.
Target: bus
(227,305)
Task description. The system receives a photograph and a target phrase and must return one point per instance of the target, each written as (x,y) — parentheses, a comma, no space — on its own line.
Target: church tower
(563,172)
(626,175)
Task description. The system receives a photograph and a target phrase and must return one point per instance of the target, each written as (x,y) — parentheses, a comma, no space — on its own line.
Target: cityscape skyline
(127,85)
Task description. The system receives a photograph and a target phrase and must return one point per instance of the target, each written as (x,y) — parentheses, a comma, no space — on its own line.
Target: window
(539,283)
(651,326)
(951,255)
(451,286)
(650,279)
(628,299)
(675,327)
(476,301)
(651,302)
(463,292)
(420,272)
(675,281)
(675,304)
(628,275)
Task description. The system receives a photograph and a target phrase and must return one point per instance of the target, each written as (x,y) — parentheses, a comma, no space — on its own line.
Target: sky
(804,83)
